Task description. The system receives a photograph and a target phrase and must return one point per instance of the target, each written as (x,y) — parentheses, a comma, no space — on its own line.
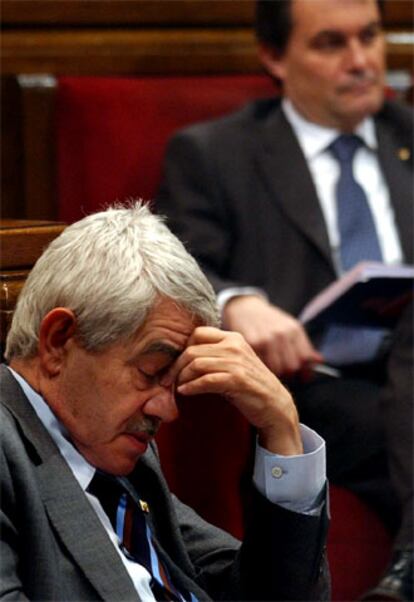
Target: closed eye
(154,378)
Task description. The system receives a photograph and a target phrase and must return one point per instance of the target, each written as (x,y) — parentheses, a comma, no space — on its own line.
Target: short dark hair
(274,22)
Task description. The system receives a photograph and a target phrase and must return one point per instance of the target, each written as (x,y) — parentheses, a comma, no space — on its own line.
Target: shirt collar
(315,139)
(82,470)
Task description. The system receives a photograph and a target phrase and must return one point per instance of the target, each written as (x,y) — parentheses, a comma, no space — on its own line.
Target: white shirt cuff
(226,294)
(294,482)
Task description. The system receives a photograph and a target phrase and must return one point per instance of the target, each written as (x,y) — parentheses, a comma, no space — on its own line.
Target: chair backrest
(112,132)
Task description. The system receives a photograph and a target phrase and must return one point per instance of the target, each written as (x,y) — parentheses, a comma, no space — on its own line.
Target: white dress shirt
(314,140)
(294,482)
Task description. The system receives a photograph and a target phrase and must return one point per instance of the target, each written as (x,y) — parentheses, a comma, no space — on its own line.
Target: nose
(162,404)
(357,55)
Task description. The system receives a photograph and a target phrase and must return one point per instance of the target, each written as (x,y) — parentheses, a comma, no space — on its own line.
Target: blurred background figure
(278,200)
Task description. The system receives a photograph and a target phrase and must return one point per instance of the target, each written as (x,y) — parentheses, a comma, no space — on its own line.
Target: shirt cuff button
(277,472)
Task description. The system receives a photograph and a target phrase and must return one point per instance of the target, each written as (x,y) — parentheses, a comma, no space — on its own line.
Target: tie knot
(105,487)
(344,147)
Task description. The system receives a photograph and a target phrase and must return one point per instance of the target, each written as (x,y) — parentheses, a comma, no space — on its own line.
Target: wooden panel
(11,283)
(397,13)
(22,242)
(129,51)
(38,131)
(74,37)
(400,51)
(127,12)
(12,188)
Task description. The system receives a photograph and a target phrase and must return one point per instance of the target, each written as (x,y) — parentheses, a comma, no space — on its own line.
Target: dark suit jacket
(53,546)
(238,192)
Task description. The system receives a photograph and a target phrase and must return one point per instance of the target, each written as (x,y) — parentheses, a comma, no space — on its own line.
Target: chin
(366,105)
(117,466)
(352,117)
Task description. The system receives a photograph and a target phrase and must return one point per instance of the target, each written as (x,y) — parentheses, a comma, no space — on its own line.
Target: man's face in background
(333,66)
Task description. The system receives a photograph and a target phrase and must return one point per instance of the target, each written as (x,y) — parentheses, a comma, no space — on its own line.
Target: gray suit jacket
(53,546)
(238,192)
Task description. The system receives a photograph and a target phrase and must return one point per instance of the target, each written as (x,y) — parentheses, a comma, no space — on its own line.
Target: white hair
(109,269)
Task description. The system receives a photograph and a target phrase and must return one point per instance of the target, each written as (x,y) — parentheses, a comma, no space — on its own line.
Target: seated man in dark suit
(254,197)
(114,317)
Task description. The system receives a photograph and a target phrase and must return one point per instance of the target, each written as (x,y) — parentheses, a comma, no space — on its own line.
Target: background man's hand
(221,362)
(277,337)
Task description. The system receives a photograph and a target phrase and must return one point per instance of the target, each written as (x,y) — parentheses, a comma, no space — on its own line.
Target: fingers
(277,337)
(216,361)
(209,352)
(222,362)
(291,350)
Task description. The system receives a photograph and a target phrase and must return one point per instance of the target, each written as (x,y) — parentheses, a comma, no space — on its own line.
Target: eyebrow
(161,347)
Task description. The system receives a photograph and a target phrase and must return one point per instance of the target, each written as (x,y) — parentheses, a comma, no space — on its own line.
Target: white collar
(82,470)
(315,139)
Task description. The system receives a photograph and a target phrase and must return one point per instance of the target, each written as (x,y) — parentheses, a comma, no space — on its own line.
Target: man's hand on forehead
(221,362)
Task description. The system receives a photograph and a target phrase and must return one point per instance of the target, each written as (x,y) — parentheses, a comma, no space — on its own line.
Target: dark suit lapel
(395,162)
(70,513)
(289,181)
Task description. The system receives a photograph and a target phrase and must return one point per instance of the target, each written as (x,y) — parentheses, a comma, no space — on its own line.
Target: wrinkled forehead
(167,328)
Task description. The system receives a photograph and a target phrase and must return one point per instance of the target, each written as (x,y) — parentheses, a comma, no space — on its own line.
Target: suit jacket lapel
(399,177)
(82,533)
(69,511)
(287,175)
(289,181)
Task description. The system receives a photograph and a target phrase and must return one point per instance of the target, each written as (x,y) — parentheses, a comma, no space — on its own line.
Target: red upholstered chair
(112,132)
(111,137)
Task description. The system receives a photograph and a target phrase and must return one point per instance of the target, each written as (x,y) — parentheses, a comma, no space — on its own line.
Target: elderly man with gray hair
(114,318)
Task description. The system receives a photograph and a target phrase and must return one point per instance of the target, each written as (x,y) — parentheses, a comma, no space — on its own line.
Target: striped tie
(129,520)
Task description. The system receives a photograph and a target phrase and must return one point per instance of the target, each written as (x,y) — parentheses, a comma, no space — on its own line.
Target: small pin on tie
(144,506)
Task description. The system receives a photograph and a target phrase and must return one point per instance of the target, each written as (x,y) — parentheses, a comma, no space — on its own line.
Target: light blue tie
(342,345)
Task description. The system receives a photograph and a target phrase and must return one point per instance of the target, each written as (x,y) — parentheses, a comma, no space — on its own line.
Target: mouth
(139,441)
(359,86)
(139,432)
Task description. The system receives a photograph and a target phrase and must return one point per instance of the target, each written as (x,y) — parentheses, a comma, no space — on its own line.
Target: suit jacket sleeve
(193,201)
(282,556)
(11,587)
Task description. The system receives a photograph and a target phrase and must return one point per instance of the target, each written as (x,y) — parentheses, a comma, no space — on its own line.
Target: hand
(277,337)
(222,362)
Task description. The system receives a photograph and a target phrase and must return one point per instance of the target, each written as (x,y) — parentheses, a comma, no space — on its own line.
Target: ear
(272,61)
(57,329)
